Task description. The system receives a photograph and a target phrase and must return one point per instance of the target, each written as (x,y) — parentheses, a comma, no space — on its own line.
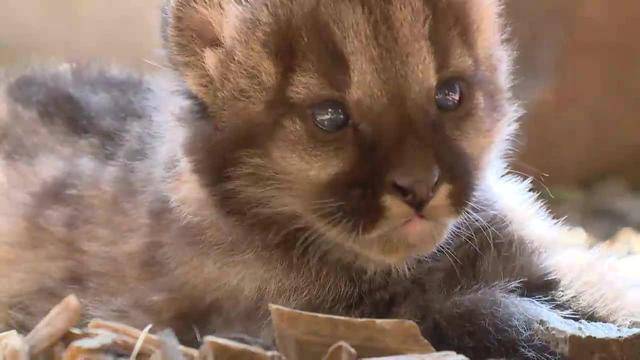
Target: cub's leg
(492,323)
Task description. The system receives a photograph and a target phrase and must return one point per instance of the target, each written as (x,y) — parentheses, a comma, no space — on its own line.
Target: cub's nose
(416,190)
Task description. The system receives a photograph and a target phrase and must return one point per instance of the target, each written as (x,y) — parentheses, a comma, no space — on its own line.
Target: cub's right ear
(195,33)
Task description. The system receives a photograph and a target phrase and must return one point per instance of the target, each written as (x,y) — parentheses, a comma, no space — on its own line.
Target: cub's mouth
(401,234)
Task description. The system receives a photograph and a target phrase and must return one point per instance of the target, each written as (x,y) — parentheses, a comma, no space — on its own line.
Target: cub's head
(356,129)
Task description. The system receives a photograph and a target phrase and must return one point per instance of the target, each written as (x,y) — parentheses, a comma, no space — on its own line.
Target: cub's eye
(449,95)
(330,116)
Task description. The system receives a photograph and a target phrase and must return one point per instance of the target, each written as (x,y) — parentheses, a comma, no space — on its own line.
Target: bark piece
(215,348)
(13,346)
(106,341)
(585,340)
(303,335)
(341,351)
(95,348)
(445,355)
(107,345)
(54,326)
(74,334)
(127,337)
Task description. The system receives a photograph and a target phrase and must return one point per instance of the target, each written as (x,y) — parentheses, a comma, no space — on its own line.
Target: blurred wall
(578,69)
(584,115)
(121,31)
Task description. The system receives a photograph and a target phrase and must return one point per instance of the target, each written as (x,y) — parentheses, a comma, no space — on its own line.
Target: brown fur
(195,202)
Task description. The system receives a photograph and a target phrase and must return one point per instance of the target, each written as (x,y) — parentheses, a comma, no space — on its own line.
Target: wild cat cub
(338,156)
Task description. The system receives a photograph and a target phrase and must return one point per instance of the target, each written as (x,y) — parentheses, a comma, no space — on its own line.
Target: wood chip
(136,348)
(90,347)
(585,340)
(101,344)
(215,348)
(127,338)
(75,352)
(445,355)
(55,325)
(341,351)
(13,346)
(302,335)
(74,334)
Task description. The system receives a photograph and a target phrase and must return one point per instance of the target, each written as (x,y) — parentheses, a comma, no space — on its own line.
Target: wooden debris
(302,335)
(215,348)
(584,340)
(341,351)
(55,325)
(127,337)
(96,344)
(90,348)
(13,346)
(299,335)
(136,348)
(446,355)
(102,343)
(74,334)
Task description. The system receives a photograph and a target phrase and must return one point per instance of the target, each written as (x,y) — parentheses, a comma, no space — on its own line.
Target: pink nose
(416,191)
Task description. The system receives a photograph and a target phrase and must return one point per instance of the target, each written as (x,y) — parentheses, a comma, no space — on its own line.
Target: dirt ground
(602,209)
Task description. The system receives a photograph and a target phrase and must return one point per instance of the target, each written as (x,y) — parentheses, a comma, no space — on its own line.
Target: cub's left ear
(194,31)
(488,31)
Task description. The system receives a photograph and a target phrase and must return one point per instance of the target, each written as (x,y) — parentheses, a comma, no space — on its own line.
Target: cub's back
(75,155)
(48,110)
(70,130)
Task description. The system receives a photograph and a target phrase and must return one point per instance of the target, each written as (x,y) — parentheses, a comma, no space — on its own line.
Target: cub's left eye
(330,116)
(449,95)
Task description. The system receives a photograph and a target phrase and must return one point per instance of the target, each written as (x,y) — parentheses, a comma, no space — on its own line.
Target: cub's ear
(489,31)
(195,32)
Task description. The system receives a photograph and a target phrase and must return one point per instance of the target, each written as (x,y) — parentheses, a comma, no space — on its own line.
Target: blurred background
(578,77)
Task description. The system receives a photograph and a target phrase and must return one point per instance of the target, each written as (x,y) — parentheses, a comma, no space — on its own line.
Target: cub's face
(350,128)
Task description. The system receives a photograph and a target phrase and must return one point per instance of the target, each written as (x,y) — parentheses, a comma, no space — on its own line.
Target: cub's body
(191,202)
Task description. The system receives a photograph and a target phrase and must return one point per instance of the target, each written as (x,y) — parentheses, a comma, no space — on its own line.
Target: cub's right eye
(449,95)
(330,116)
